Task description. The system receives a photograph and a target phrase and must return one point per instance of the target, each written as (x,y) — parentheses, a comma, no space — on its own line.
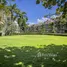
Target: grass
(31,40)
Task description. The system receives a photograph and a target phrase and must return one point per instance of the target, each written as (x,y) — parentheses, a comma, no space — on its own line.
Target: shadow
(48,56)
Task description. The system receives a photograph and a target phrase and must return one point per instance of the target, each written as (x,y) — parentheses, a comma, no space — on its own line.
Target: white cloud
(45,19)
(54,16)
(42,20)
(30,23)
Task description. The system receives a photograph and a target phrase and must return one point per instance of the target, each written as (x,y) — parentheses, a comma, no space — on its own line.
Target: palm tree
(14,13)
(22,19)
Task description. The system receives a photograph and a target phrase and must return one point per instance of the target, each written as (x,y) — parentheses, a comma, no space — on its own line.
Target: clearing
(31,40)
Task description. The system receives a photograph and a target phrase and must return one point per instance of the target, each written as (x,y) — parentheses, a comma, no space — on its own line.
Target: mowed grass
(31,40)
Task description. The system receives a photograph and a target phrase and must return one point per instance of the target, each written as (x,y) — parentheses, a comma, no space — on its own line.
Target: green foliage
(22,19)
(37,1)
(62,5)
(1,6)
(11,10)
(3,2)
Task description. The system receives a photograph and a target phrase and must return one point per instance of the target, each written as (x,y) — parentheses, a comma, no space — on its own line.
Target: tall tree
(14,13)
(22,19)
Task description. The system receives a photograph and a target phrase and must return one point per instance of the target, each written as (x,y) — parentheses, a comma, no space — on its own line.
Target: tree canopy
(62,5)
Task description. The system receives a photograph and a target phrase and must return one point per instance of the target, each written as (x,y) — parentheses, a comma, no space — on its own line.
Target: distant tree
(42,29)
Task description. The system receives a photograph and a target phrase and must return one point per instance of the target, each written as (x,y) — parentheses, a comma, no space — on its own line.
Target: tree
(42,28)
(2,16)
(11,10)
(62,5)
(22,19)
(17,14)
(8,10)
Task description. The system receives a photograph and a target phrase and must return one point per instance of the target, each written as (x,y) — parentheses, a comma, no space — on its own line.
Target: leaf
(37,1)
(1,6)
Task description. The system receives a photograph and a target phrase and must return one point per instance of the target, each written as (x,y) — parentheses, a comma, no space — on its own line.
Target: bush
(56,34)
(37,33)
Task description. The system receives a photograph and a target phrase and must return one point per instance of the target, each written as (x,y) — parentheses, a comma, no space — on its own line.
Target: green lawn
(31,40)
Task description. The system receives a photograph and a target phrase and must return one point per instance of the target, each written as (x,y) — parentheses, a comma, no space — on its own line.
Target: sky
(34,12)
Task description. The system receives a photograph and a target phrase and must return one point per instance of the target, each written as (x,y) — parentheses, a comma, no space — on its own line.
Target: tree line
(12,13)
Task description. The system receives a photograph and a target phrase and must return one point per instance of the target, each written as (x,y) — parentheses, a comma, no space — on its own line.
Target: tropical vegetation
(37,50)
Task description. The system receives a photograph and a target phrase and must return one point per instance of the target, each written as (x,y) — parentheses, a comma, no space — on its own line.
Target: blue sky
(33,10)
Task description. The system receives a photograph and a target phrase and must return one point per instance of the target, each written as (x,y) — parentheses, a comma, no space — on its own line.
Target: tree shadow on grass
(48,56)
